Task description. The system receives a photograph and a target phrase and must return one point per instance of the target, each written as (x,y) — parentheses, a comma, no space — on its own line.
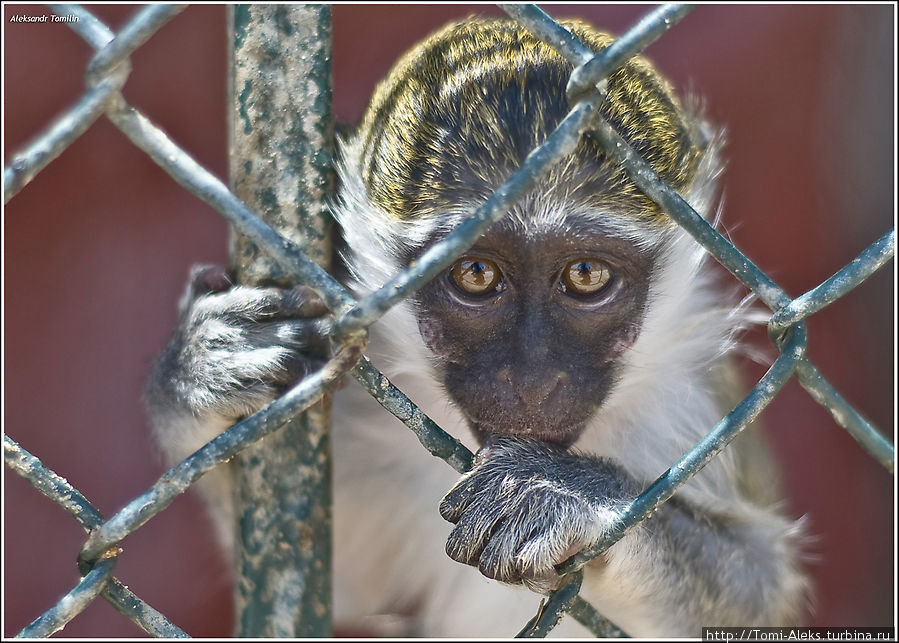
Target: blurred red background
(98,246)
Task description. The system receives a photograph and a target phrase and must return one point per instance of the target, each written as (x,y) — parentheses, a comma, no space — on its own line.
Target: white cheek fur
(689,325)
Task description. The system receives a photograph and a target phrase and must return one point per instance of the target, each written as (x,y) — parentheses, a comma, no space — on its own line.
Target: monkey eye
(585,277)
(476,276)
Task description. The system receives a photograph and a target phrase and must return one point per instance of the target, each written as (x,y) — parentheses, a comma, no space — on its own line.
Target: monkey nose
(533,392)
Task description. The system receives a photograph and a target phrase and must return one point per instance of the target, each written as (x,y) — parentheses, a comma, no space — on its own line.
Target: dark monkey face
(528,328)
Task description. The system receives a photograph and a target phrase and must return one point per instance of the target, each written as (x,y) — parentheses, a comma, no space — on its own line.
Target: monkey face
(527,328)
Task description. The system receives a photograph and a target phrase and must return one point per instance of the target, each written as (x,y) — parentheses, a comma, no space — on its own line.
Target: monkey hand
(527,506)
(236,348)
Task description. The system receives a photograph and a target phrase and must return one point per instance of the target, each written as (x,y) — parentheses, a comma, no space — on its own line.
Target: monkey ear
(209,278)
(705,194)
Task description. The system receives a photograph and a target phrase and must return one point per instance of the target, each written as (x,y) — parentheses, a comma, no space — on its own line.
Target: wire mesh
(107,74)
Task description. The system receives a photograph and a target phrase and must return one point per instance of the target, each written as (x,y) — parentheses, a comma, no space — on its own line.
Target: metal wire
(58,489)
(105,76)
(73,603)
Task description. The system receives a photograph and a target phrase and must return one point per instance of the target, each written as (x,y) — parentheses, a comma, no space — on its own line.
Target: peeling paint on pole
(281,153)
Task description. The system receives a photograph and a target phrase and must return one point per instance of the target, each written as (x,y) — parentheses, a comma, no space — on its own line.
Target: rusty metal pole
(281,150)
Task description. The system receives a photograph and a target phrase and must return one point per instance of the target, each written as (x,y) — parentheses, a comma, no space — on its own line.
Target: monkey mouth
(563,436)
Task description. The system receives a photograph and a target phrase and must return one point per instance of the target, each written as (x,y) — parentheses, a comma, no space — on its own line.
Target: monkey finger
(299,368)
(465,543)
(473,530)
(498,559)
(277,303)
(244,306)
(253,396)
(301,350)
(458,499)
(542,583)
(308,302)
(536,559)
(264,304)
(208,278)
(307,336)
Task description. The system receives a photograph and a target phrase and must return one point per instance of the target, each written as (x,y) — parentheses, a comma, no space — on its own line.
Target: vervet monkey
(580,344)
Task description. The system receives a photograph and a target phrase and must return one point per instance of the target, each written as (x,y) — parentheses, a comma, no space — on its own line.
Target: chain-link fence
(107,74)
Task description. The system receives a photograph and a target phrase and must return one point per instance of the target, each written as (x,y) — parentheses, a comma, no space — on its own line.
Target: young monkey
(580,344)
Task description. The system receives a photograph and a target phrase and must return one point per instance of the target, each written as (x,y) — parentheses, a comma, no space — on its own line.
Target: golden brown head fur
(459,113)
